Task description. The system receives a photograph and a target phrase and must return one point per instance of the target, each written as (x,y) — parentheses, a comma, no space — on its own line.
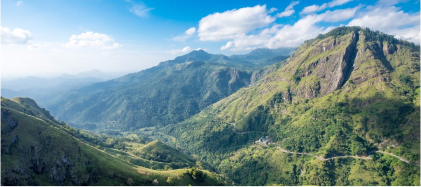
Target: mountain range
(165,94)
(342,109)
(45,90)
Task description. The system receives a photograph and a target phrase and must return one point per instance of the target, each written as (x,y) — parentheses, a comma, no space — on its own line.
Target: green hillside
(165,94)
(158,151)
(350,96)
(37,150)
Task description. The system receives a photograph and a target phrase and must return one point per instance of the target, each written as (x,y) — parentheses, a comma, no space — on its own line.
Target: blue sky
(48,38)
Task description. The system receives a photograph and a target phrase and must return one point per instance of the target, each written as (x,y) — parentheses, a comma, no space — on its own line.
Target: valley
(43,151)
(342,109)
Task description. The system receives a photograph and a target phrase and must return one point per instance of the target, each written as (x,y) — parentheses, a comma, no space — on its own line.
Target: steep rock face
(338,61)
(331,69)
(342,93)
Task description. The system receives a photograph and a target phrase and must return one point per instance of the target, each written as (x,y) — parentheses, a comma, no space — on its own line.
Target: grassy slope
(377,107)
(168,151)
(45,155)
(168,93)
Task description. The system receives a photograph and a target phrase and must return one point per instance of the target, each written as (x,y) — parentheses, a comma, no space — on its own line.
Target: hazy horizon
(47,39)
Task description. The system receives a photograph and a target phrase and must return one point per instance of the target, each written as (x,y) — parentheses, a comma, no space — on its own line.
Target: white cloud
(231,23)
(391,20)
(389,2)
(289,10)
(273,9)
(184,50)
(141,10)
(411,34)
(339,15)
(187,34)
(190,31)
(290,35)
(337,2)
(17,36)
(91,39)
(19,3)
(317,8)
(228,45)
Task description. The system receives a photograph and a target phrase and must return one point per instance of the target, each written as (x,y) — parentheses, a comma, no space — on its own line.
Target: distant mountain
(165,94)
(45,90)
(38,82)
(38,150)
(344,110)
(98,74)
(9,93)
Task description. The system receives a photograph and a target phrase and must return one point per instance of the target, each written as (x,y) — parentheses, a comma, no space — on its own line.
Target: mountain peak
(195,55)
(197,52)
(376,36)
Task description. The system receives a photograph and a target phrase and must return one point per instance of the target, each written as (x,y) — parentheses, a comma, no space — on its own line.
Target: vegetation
(371,104)
(256,165)
(342,110)
(168,93)
(39,151)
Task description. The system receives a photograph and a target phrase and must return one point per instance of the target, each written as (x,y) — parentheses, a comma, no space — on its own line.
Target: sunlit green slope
(351,91)
(36,150)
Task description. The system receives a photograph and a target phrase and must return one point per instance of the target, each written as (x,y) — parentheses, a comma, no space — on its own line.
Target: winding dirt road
(322,158)
(346,156)
(333,157)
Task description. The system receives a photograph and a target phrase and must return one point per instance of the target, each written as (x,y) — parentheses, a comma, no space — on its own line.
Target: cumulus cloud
(227,46)
(253,27)
(391,20)
(18,36)
(289,10)
(190,31)
(19,3)
(317,8)
(184,50)
(231,23)
(187,34)
(15,36)
(290,35)
(91,39)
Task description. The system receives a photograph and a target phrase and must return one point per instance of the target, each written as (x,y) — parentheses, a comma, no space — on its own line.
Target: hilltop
(165,94)
(351,91)
(38,150)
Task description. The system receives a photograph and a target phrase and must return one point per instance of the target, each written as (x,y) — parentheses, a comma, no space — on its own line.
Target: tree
(170,180)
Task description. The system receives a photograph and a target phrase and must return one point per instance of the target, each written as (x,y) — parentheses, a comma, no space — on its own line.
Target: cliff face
(322,66)
(331,63)
(337,62)
(346,92)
